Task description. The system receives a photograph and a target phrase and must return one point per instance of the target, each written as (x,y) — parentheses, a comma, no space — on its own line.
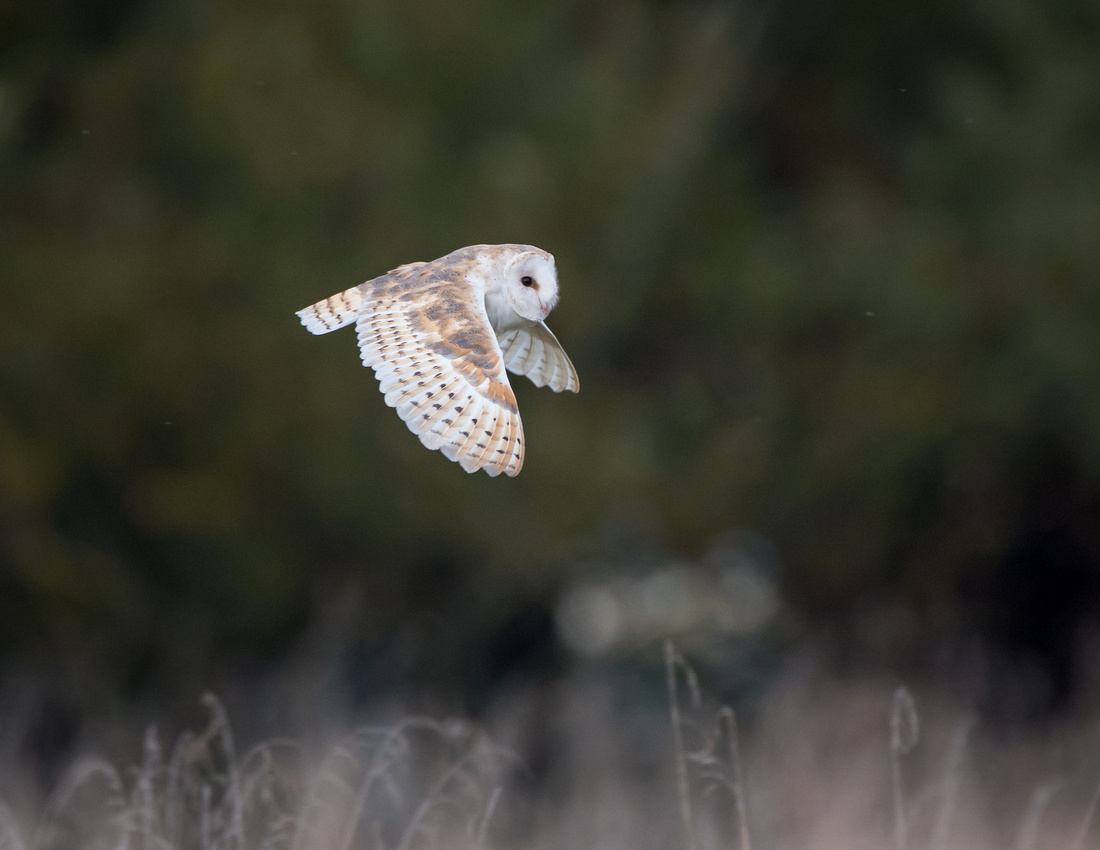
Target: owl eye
(527,280)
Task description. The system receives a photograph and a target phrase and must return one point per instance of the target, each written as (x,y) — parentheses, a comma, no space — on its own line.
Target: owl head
(531,283)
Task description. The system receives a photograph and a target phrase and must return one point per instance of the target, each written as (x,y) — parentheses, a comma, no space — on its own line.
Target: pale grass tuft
(721,779)
(418,785)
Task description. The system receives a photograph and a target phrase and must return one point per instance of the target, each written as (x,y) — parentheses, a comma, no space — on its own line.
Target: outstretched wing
(424,330)
(534,351)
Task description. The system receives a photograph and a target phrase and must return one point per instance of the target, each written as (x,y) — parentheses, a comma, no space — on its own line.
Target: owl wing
(424,330)
(534,351)
(343,308)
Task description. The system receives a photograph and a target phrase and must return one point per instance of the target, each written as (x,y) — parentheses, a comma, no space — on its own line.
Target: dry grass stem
(672,662)
(904,732)
(737,778)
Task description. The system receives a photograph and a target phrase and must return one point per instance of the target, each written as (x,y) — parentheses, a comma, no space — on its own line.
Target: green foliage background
(829,271)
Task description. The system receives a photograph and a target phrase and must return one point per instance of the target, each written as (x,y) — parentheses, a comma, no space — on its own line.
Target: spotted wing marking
(534,351)
(425,332)
(333,313)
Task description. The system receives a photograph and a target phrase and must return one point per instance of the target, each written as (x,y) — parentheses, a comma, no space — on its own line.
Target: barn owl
(439,337)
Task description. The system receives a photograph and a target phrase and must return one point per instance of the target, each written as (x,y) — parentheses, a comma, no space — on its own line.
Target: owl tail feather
(333,313)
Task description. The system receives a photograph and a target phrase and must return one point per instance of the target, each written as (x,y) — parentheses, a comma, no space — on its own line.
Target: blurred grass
(821,762)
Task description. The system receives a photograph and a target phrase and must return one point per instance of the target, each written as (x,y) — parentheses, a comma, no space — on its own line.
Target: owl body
(440,337)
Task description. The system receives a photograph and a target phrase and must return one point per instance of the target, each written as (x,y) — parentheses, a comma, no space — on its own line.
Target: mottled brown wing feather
(424,330)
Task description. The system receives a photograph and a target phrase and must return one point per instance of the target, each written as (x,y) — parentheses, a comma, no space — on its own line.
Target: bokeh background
(829,276)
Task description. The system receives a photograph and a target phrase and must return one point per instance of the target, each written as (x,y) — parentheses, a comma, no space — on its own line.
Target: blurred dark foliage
(829,272)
